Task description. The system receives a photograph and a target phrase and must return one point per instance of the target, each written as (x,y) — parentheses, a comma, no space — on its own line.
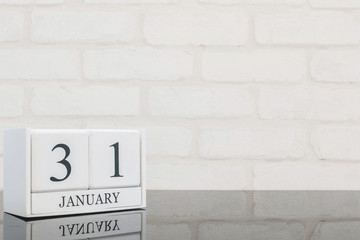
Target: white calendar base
(85,201)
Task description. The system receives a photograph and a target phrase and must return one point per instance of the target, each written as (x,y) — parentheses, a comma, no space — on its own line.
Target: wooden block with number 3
(59,160)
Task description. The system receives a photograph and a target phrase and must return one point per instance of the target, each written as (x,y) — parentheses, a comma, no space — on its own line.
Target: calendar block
(115,154)
(59,172)
(60,160)
(129,225)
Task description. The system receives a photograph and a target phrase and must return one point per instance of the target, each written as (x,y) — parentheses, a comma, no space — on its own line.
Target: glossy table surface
(231,215)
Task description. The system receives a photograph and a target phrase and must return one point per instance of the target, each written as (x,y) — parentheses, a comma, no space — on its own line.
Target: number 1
(116,153)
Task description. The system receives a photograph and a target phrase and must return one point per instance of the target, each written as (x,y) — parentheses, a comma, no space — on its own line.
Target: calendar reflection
(128,225)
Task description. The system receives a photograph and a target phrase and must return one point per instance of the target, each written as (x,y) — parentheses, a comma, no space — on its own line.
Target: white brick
(11,26)
(39,64)
(175,141)
(141,63)
(251,143)
(178,231)
(131,1)
(25,2)
(211,175)
(345,230)
(196,29)
(11,101)
(256,2)
(251,230)
(258,65)
(306,176)
(335,3)
(337,143)
(326,28)
(55,26)
(336,66)
(95,100)
(316,103)
(201,101)
(284,102)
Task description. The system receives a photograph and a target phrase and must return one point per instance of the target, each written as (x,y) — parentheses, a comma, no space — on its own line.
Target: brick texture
(54,26)
(196,29)
(313,103)
(336,66)
(335,4)
(233,94)
(94,100)
(11,25)
(34,64)
(251,143)
(336,143)
(201,102)
(257,66)
(144,64)
(326,28)
(11,101)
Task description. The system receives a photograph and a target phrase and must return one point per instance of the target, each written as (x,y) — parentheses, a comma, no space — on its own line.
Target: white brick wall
(251,143)
(212,175)
(39,64)
(335,4)
(94,100)
(336,66)
(168,141)
(201,102)
(11,101)
(323,28)
(335,103)
(196,29)
(234,94)
(11,25)
(53,26)
(257,66)
(336,143)
(144,64)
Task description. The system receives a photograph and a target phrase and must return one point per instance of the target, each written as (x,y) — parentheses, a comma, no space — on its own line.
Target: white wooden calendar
(56,172)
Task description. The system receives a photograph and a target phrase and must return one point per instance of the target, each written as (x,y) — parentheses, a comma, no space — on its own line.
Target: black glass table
(208,215)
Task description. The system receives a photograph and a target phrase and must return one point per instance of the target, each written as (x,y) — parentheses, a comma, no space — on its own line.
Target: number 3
(63,162)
